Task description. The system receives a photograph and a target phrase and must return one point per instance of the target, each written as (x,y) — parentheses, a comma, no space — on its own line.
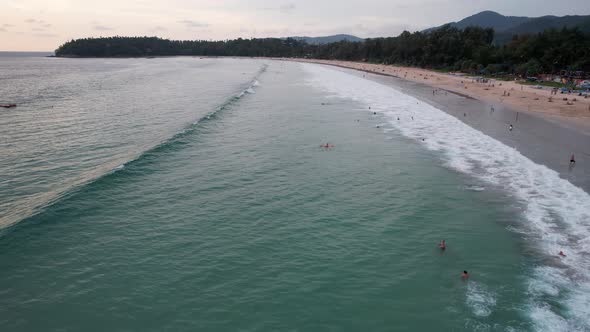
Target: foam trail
(556,211)
(480,299)
(474,188)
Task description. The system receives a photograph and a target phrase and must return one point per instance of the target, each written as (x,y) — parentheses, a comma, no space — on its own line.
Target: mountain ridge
(327,39)
(507,26)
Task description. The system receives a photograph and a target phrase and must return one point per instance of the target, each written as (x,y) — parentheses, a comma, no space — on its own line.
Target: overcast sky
(42,25)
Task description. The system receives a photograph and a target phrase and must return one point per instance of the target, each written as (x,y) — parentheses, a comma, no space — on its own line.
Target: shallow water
(228,215)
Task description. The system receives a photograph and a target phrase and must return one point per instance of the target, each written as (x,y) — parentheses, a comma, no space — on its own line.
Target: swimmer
(442,245)
(572,160)
(510,128)
(374,113)
(561,254)
(465,275)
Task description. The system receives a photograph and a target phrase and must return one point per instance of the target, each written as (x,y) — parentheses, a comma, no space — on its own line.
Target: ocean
(192,194)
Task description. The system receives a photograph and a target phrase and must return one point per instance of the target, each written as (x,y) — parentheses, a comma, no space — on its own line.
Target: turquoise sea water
(192,194)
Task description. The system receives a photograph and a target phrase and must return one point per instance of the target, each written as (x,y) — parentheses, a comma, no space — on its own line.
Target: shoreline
(523,98)
(543,140)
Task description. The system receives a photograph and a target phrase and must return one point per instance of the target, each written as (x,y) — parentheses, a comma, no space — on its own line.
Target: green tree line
(470,50)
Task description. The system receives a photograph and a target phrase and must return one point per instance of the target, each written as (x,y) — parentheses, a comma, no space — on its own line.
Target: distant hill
(489,19)
(536,25)
(507,26)
(328,39)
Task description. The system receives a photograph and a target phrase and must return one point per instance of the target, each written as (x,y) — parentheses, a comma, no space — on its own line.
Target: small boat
(8,105)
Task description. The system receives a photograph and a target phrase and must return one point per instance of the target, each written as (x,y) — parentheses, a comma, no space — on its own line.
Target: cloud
(286,8)
(45,35)
(39,23)
(4,27)
(193,24)
(102,28)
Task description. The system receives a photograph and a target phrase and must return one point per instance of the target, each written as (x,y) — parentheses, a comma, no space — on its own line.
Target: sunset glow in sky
(42,25)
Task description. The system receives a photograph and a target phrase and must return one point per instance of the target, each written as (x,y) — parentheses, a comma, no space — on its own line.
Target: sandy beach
(522,98)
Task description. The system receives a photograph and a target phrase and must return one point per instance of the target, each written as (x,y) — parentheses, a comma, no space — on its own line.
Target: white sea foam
(480,300)
(474,188)
(249,89)
(556,211)
(118,168)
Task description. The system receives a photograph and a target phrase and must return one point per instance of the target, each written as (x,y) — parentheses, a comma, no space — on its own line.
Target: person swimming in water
(510,127)
(561,254)
(327,145)
(465,275)
(442,245)
(572,160)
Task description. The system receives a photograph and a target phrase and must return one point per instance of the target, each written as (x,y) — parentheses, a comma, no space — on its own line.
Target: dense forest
(470,50)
